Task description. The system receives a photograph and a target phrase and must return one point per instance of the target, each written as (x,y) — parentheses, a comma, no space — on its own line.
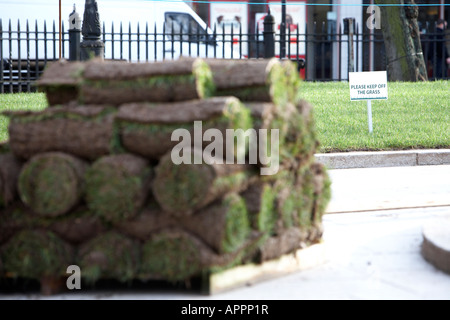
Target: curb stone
(369,159)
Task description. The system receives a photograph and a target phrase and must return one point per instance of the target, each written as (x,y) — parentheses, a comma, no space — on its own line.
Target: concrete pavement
(366,189)
(369,255)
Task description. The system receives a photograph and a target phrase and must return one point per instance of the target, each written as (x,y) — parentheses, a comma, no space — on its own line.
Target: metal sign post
(369,115)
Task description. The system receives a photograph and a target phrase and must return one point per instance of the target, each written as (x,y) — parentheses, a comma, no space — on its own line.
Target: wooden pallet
(249,274)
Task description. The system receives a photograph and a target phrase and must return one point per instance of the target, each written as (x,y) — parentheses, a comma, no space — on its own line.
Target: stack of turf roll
(288,205)
(167,170)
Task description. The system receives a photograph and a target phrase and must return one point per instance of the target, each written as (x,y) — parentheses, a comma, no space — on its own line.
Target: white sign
(368,85)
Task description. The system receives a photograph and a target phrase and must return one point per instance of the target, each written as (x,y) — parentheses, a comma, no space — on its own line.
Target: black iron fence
(321,53)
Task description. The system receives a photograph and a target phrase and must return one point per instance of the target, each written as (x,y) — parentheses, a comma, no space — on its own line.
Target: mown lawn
(416,115)
(19,101)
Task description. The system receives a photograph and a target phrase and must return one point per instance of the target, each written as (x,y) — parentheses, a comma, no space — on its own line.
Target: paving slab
(365,189)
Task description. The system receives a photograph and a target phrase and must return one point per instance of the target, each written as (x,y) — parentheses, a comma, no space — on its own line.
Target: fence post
(349,29)
(269,36)
(91,46)
(283,30)
(74,35)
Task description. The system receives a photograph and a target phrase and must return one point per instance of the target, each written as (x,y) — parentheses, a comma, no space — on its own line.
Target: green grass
(416,115)
(19,101)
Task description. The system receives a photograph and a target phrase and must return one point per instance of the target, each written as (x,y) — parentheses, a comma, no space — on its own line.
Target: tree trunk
(51,184)
(185,188)
(405,60)
(117,186)
(10,168)
(85,131)
(116,83)
(146,129)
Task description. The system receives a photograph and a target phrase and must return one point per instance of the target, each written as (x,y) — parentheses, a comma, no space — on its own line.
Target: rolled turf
(266,80)
(185,188)
(147,128)
(117,186)
(10,168)
(51,184)
(149,221)
(173,255)
(109,256)
(109,82)
(260,201)
(83,131)
(224,225)
(36,254)
(76,227)
(60,81)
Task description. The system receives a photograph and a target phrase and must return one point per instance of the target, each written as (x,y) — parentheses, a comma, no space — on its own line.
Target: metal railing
(25,51)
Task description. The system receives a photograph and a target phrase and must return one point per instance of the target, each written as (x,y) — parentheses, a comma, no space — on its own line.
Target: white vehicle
(131,30)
